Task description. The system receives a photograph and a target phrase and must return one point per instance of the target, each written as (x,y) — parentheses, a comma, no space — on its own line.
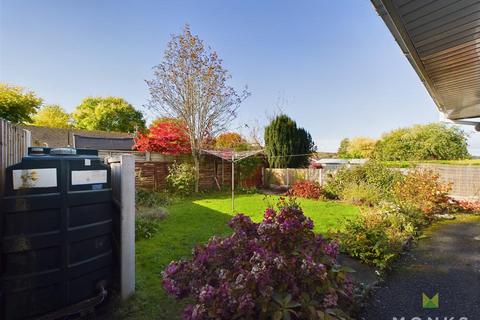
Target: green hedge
(408,164)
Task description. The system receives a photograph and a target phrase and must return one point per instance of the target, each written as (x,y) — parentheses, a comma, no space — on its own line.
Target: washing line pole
(233,158)
(233,183)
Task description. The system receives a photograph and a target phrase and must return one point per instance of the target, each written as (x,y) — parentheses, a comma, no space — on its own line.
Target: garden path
(447,262)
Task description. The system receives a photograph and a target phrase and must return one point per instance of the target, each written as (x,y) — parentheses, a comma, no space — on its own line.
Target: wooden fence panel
(14,144)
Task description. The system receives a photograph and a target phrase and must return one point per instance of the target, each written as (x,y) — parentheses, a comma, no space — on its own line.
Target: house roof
(57,137)
(441,40)
(103,143)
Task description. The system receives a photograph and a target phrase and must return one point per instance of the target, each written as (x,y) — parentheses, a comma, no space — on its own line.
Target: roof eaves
(386,10)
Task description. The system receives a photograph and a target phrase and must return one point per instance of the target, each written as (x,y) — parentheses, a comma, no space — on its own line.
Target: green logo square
(430,303)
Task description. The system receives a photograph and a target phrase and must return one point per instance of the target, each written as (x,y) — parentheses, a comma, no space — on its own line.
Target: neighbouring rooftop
(101,140)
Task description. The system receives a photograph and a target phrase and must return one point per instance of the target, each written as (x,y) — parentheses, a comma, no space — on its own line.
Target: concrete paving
(447,262)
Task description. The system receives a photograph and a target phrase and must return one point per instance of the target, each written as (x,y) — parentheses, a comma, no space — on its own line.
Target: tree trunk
(196,162)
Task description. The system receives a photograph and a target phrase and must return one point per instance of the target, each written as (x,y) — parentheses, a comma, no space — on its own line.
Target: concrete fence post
(127,254)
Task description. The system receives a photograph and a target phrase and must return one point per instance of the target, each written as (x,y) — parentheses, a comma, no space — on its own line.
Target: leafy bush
(165,135)
(306,189)
(361,194)
(422,190)
(422,142)
(147,223)
(151,199)
(247,167)
(357,147)
(377,236)
(372,173)
(464,206)
(181,178)
(276,269)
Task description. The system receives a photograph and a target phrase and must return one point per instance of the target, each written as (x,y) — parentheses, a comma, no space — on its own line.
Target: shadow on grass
(193,221)
(187,224)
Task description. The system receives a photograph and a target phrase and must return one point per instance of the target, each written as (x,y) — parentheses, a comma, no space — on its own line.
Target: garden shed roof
(441,40)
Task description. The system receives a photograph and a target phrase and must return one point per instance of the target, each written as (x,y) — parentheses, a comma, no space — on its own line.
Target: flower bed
(306,189)
(400,205)
(276,269)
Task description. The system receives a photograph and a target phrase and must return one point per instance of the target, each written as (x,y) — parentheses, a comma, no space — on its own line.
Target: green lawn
(193,221)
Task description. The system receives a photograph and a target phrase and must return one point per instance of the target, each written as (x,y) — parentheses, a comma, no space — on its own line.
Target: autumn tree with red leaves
(231,140)
(165,135)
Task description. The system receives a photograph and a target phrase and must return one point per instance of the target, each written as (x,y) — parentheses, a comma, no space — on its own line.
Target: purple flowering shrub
(276,269)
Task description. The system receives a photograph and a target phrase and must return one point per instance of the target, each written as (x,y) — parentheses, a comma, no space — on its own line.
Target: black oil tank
(56,232)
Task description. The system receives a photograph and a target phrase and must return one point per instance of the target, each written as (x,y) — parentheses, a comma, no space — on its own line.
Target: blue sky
(331,65)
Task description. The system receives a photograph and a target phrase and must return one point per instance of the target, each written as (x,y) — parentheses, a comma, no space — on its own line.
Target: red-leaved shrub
(276,269)
(465,206)
(166,135)
(422,190)
(306,189)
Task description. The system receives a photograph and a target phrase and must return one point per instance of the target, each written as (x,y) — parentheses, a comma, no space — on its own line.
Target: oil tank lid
(37,151)
(63,151)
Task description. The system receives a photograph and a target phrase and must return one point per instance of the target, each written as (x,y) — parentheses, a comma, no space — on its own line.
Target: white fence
(123,189)
(14,143)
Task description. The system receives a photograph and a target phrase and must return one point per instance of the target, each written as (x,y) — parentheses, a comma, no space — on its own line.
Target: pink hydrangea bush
(276,269)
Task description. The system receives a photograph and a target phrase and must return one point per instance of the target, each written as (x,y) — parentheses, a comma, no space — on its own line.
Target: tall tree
(361,147)
(108,114)
(17,104)
(286,145)
(191,85)
(231,140)
(52,116)
(343,149)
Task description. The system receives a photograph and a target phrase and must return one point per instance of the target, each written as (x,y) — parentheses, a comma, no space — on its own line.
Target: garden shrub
(361,194)
(181,178)
(151,199)
(372,173)
(464,206)
(434,141)
(422,190)
(306,189)
(377,236)
(276,269)
(147,223)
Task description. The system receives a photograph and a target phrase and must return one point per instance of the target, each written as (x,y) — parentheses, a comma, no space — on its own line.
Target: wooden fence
(215,173)
(288,176)
(123,190)
(14,143)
